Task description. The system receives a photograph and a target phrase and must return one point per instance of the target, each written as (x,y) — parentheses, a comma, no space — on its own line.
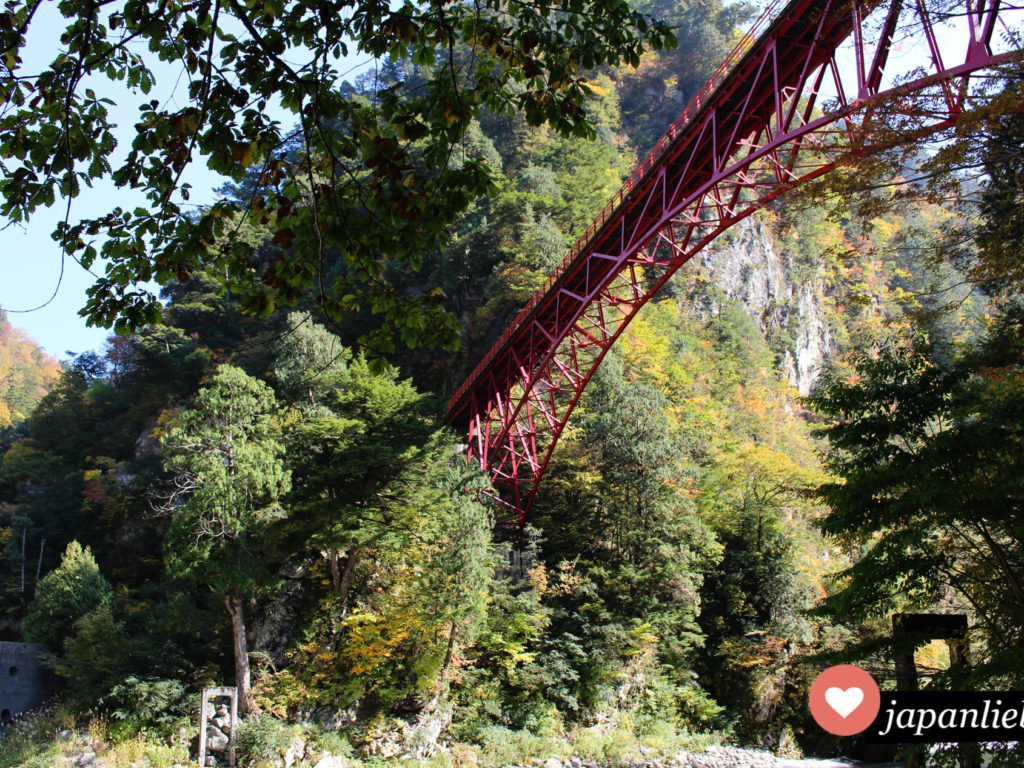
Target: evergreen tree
(228,477)
(65,595)
(929,452)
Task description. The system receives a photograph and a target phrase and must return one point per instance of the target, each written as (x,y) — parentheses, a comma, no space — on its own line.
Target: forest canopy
(242,494)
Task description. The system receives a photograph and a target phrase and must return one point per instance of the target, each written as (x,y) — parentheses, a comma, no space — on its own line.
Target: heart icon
(844,701)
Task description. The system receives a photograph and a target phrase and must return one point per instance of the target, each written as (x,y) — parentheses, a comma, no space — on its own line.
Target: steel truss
(780,111)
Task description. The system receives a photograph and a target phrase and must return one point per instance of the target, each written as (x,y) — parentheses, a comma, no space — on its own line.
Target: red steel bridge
(814,84)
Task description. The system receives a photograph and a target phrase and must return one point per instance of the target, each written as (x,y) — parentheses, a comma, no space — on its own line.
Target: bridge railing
(639,174)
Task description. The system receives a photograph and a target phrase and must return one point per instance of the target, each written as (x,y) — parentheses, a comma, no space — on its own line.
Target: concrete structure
(24,684)
(218,725)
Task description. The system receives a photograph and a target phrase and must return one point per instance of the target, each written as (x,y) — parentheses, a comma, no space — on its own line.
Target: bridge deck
(796,25)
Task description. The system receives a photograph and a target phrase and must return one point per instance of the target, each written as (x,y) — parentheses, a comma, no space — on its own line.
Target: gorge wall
(747,265)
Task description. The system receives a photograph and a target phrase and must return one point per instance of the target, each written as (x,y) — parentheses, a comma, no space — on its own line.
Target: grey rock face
(278,622)
(747,266)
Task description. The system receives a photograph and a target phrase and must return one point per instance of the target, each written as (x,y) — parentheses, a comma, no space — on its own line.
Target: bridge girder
(756,130)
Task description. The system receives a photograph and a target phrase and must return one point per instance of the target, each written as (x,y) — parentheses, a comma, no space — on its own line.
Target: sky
(33,274)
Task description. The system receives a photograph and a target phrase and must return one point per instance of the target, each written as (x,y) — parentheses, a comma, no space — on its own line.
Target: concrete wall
(24,684)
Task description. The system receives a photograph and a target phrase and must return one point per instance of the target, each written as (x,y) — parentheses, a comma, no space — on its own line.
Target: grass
(42,739)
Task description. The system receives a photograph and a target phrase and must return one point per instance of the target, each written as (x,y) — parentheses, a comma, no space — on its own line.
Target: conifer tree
(64,595)
(227,479)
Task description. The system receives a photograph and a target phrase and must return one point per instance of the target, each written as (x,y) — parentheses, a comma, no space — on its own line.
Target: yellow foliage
(372,640)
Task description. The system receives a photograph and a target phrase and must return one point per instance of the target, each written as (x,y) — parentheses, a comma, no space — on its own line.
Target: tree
(227,479)
(310,361)
(26,373)
(65,595)
(752,607)
(929,451)
(72,611)
(998,266)
(362,186)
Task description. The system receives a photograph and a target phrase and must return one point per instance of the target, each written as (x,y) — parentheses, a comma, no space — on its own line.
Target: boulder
(295,752)
(328,760)
(216,739)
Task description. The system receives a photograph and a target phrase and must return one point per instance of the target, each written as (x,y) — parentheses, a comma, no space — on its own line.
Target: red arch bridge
(814,84)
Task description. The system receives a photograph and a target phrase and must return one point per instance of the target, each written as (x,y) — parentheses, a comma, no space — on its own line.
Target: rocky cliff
(747,265)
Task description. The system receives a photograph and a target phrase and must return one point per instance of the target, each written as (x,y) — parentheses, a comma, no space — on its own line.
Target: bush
(96,656)
(146,703)
(334,742)
(263,737)
(502,746)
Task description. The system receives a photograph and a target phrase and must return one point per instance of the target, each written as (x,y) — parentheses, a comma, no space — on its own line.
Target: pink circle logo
(844,700)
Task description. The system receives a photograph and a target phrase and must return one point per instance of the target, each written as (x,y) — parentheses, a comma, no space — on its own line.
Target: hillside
(26,373)
(226,499)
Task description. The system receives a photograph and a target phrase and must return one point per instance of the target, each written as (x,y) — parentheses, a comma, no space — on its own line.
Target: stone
(748,266)
(332,719)
(216,739)
(276,625)
(552,762)
(331,761)
(296,749)
(222,718)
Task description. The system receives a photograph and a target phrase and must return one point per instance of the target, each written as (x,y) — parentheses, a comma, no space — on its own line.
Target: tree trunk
(39,563)
(233,601)
(332,558)
(442,678)
(449,654)
(355,553)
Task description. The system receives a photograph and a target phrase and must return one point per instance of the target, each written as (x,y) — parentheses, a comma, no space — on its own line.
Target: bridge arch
(797,97)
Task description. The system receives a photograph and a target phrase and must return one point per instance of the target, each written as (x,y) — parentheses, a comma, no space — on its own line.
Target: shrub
(334,742)
(146,703)
(502,746)
(263,737)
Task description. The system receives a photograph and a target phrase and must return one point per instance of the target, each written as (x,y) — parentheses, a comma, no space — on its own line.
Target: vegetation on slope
(26,373)
(222,497)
